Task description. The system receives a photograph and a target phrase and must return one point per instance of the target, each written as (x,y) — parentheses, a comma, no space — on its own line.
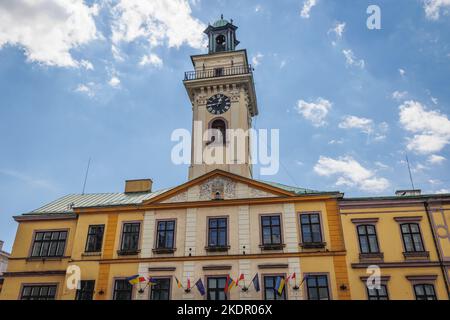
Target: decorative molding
(383,279)
(405,264)
(408,219)
(419,278)
(217,267)
(161,269)
(43,217)
(364,220)
(180,197)
(273,266)
(34,273)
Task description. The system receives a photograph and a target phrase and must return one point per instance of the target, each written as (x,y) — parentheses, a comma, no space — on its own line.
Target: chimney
(1,245)
(410,192)
(138,186)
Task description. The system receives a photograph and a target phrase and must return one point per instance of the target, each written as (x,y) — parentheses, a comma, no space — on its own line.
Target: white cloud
(351,60)
(316,112)
(399,95)
(87,89)
(436,159)
(307,6)
(402,72)
(381,165)
(434,100)
(431,129)
(48,30)
(366,126)
(158,21)
(353,122)
(283,64)
(443,191)
(350,173)
(152,60)
(339,141)
(434,181)
(338,29)
(114,82)
(434,7)
(258,8)
(29,180)
(256,59)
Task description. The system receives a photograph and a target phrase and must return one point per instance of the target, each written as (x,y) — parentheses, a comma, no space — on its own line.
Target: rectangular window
(425,292)
(412,239)
(270,290)
(130,236)
(86,291)
(122,290)
(217,235)
(378,294)
(215,288)
(271,230)
(311,230)
(368,242)
(49,244)
(165,234)
(317,287)
(161,289)
(95,238)
(38,292)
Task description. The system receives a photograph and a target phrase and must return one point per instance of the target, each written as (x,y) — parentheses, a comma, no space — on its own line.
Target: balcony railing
(217,72)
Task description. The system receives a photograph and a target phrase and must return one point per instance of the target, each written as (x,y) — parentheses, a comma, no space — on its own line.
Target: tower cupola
(222,36)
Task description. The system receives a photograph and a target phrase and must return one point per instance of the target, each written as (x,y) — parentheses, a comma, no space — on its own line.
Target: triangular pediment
(231,187)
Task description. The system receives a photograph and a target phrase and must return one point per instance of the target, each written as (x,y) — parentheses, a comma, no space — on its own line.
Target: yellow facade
(400,270)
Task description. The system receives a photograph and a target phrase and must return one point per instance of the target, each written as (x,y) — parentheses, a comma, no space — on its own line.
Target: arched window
(220,43)
(221,126)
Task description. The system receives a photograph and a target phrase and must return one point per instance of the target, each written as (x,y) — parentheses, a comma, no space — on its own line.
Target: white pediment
(230,188)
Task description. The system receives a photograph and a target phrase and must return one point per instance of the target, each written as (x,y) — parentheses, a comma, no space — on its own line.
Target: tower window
(220,43)
(218,125)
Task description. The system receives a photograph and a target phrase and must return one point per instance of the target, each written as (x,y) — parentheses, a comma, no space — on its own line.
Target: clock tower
(222,93)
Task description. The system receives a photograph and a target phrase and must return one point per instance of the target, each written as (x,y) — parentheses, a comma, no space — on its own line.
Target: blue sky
(103,79)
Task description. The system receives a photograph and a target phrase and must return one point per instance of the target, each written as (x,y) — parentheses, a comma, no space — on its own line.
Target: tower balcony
(218,72)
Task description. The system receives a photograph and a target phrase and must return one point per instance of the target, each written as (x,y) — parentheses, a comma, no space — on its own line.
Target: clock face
(218,104)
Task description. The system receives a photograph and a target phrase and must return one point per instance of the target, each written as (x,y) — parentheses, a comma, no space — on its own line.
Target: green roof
(67,203)
(220,23)
(296,190)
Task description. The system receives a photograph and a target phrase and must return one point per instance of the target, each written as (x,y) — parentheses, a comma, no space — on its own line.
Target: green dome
(220,23)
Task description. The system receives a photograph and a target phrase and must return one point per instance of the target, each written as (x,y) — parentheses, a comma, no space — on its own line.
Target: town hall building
(225,235)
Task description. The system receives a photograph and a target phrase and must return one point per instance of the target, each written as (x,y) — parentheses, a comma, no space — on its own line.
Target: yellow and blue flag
(279,285)
(133,279)
(151,281)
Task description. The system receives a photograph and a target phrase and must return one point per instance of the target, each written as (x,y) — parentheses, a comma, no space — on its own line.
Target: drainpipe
(441,261)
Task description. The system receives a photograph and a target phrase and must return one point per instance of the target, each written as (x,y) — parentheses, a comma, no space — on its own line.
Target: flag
(290,277)
(200,287)
(279,285)
(189,283)
(241,277)
(255,282)
(151,281)
(229,284)
(133,279)
(142,279)
(179,284)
